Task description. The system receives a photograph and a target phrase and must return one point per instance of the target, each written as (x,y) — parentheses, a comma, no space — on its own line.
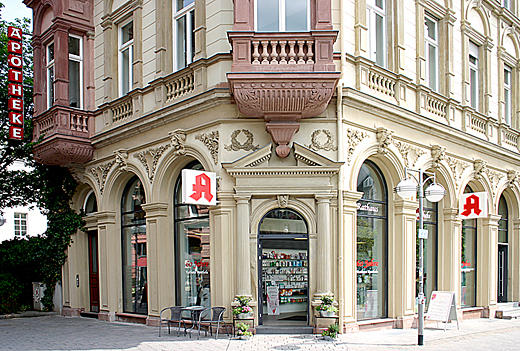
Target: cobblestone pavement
(61,333)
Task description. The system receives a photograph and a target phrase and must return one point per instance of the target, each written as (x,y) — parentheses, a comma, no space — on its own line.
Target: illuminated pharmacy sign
(15,86)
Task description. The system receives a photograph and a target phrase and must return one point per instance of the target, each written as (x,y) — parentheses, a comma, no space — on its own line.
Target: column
(243,274)
(487,264)
(401,263)
(61,66)
(514,261)
(109,249)
(324,252)
(348,251)
(159,260)
(449,253)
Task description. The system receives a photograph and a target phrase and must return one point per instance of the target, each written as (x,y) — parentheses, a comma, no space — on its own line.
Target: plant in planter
(331,332)
(242,309)
(327,308)
(243,331)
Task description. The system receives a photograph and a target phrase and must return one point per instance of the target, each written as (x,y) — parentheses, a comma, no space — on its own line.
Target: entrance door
(93,275)
(283,269)
(502,272)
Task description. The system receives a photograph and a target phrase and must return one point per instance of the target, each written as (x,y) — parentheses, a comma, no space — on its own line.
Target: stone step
(509,313)
(263,329)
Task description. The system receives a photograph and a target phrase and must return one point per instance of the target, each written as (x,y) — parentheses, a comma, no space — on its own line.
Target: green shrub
(10,293)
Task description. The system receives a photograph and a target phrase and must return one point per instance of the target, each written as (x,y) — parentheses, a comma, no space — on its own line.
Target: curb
(27,314)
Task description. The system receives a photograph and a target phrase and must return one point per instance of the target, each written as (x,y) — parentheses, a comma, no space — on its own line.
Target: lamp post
(406,189)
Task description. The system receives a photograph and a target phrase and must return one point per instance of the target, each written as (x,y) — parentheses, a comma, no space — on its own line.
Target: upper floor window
(282,15)
(20,223)
(507,95)
(507,4)
(474,75)
(50,75)
(75,71)
(431,37)
(126,48)
(183,26)
(376,23)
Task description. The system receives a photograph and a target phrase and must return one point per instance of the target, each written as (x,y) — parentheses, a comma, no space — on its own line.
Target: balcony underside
(63,150)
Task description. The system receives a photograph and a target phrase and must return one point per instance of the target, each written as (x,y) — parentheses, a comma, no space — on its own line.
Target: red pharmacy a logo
(202,187)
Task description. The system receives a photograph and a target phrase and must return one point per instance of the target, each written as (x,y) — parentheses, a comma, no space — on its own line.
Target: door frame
(505,272)
(90,235)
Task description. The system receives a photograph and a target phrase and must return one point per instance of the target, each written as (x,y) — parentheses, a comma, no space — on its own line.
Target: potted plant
(331,332)
(243,331)
(242,310)
(327,308)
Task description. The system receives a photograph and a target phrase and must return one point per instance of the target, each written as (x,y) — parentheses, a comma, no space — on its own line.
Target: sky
(15,9)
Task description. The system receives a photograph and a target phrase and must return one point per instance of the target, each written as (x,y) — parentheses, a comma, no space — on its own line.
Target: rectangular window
(282,15)
(506,4)
(20,223)
(431,37)
(184,25)
(75,72)
(126,48)
(50,75)
(376,22)
(508,109)
(474,75)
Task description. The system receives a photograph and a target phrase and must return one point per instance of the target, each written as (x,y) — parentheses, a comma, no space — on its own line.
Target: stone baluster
(256,54)
(283,52)
(274,52)
(265,54)
(300,52)
(292,54)
(310,54)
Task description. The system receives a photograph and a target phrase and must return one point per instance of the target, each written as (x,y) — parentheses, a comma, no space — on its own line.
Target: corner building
(309,112)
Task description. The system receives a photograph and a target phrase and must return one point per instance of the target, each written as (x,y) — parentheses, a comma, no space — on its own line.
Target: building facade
(309,112)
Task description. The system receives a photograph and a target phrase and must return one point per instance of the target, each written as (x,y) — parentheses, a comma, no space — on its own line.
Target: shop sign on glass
(473,205)
(199,187)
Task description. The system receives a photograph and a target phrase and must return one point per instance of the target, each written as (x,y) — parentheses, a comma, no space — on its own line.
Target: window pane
(432,67)
(74,46)
(380,4)
(183,3)
(431,29)
(380,40)
(50,52)
(125,71)
(181,42)
(50,85)
(468,262)
(296,14)
(192,34)
(267,16)
(74,83)
(474,88)
(127,32)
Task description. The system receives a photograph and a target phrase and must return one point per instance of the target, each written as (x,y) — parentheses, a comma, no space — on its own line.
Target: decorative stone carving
(283,201)
(322,139)
(246,145)
(177,140)
(100,174)
(354,137)
(457,168)
(438,154)
(494,178)
(384,140)
(479,169)
(409,152)
(78,173)
(121,159)
(150,158)
(211,140)
(512,178)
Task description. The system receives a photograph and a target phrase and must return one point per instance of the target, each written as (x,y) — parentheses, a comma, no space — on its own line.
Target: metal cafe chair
(174,317)
(210,316)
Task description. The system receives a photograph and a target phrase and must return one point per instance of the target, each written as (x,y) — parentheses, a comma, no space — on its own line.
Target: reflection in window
(133,231)
(126,57)
(431,37)
(469,260)
(371,244)
(184,24)
(50,75)
(283,221)
(376,23)
(507,95)
(75,71)
(282,15)
(90,203)
(474,75)
(192,239)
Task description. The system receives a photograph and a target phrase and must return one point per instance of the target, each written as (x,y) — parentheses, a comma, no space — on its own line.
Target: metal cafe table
(195,312)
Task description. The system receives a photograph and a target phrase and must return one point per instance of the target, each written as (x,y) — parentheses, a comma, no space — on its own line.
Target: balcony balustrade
(63,136)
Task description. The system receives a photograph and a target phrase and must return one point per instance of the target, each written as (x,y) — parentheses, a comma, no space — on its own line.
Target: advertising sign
(15,86)
(273,300)
(473,205)
(442,307)
(199,187)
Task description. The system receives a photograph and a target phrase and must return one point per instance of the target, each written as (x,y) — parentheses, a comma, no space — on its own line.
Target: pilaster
(514,261)
(487,260)
(109,264)
(242,254)
(449,253)
(324,249)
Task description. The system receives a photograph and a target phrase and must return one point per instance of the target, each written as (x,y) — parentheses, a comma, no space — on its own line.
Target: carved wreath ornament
(317,142)
(236,145)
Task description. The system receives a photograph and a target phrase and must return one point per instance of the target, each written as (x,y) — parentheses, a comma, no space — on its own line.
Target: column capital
(242,198)
(491,220)
(352,196)
(406,206)
(451,214)
(106,217)
(155,209)
(323,197)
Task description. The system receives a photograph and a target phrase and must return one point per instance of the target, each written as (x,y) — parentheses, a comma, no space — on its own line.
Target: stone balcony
(64,136)
(282,77)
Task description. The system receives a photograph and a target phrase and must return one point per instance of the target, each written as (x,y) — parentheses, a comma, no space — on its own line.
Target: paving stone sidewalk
(62,333)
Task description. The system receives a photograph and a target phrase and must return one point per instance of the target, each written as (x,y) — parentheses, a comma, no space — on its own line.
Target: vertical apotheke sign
(15,85)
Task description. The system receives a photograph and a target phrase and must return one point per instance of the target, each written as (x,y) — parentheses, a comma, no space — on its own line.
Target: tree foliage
(24,260)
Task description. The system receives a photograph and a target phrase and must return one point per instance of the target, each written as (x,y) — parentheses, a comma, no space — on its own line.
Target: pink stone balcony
(282,77)
(65,136)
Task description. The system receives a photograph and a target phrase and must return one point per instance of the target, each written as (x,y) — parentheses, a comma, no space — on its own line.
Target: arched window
(283,221)
(469,260)
(90,205)
(503,249)
(133,236)
(191,249)
(372,244)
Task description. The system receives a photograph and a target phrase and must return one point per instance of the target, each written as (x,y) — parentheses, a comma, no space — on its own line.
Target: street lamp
(407,188)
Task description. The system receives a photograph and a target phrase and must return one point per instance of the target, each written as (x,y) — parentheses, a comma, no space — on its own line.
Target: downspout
(339,128)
